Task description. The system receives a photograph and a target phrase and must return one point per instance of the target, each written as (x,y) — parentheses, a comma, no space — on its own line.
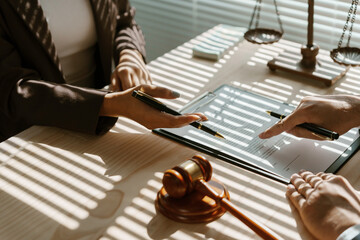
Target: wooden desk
(57,184)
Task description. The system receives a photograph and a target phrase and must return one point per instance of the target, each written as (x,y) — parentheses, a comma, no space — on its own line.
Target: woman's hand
(123,104)
(338,113)
(130,72)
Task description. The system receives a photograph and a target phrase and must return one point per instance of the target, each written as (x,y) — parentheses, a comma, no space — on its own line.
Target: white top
(73,30)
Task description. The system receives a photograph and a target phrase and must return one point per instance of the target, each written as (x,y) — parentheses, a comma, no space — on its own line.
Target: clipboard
(240,116)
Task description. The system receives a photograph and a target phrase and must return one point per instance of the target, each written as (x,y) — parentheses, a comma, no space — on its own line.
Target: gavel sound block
(189,195)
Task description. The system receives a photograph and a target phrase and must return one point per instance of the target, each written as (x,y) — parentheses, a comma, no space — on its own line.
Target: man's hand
(338,113)
(130,72)
(327,204)
(123,104)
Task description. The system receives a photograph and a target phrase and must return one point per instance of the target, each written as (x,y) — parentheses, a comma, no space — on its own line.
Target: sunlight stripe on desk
(352,81)
(46,151)
(10,151)
(345,91)
(65,176)
(350,85)
(139,215)
(71,168)
(39,205)
(278,84)
(268,94)
(272,88)
(185,68)
(185,48)
(263,56)
(182,54)
(186,84)
(122,127)
(194,64)
(269,52)
(44,193)
(177,71)
(176,77)
(169,83)
(128,125)
(50,183)
(117,233)
(132,227)
(3,157)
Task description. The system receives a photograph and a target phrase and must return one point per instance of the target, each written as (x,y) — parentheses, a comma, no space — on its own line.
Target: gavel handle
(257,227)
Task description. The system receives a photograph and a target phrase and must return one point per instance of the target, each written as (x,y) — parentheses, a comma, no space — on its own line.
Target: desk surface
(57,184)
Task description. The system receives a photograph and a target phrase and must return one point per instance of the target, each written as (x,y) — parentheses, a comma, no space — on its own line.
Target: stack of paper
(216,42)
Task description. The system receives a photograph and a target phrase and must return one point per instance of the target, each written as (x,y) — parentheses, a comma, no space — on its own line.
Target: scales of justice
(306,63)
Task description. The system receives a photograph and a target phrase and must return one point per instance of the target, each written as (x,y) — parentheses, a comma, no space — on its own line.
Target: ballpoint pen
(316,130)
(162,107)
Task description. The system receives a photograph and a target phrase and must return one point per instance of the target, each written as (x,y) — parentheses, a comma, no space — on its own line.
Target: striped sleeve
(128,33)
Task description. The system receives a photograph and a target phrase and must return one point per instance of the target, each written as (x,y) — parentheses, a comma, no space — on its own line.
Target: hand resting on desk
(123,104)
(325,204)
(338,113)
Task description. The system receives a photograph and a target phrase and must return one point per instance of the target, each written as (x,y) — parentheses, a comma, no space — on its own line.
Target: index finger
(283,125)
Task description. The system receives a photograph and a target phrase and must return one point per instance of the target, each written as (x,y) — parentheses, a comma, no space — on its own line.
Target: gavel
(194,177)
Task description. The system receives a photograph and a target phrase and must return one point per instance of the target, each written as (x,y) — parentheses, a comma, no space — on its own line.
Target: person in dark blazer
(39,78)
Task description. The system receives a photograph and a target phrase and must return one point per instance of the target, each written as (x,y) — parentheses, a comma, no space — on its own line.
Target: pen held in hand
(316,130)
(162,107)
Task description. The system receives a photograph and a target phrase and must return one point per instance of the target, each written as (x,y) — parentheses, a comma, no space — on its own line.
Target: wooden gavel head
(180,180)
(182,197)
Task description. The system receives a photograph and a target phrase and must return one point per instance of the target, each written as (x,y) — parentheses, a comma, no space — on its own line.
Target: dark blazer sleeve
(27,99)
(128,34)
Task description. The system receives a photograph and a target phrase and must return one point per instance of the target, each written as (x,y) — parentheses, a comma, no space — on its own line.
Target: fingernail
(175,94)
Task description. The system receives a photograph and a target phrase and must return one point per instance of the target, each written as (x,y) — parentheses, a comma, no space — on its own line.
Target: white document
(241,116)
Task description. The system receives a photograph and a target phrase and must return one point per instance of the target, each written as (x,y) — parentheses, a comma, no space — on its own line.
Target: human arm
(129,51)
(123,104)
(32,90)
(338,113)
(326,204)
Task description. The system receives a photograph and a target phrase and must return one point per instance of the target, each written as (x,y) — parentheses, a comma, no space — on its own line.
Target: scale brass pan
(263,35)
(259,35)
(348,56)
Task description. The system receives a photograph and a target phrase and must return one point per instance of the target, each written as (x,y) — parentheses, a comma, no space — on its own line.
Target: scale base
(195,207)
(325,70)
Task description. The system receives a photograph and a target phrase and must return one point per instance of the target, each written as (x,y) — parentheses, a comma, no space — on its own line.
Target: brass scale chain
(257,10)
(352,11)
